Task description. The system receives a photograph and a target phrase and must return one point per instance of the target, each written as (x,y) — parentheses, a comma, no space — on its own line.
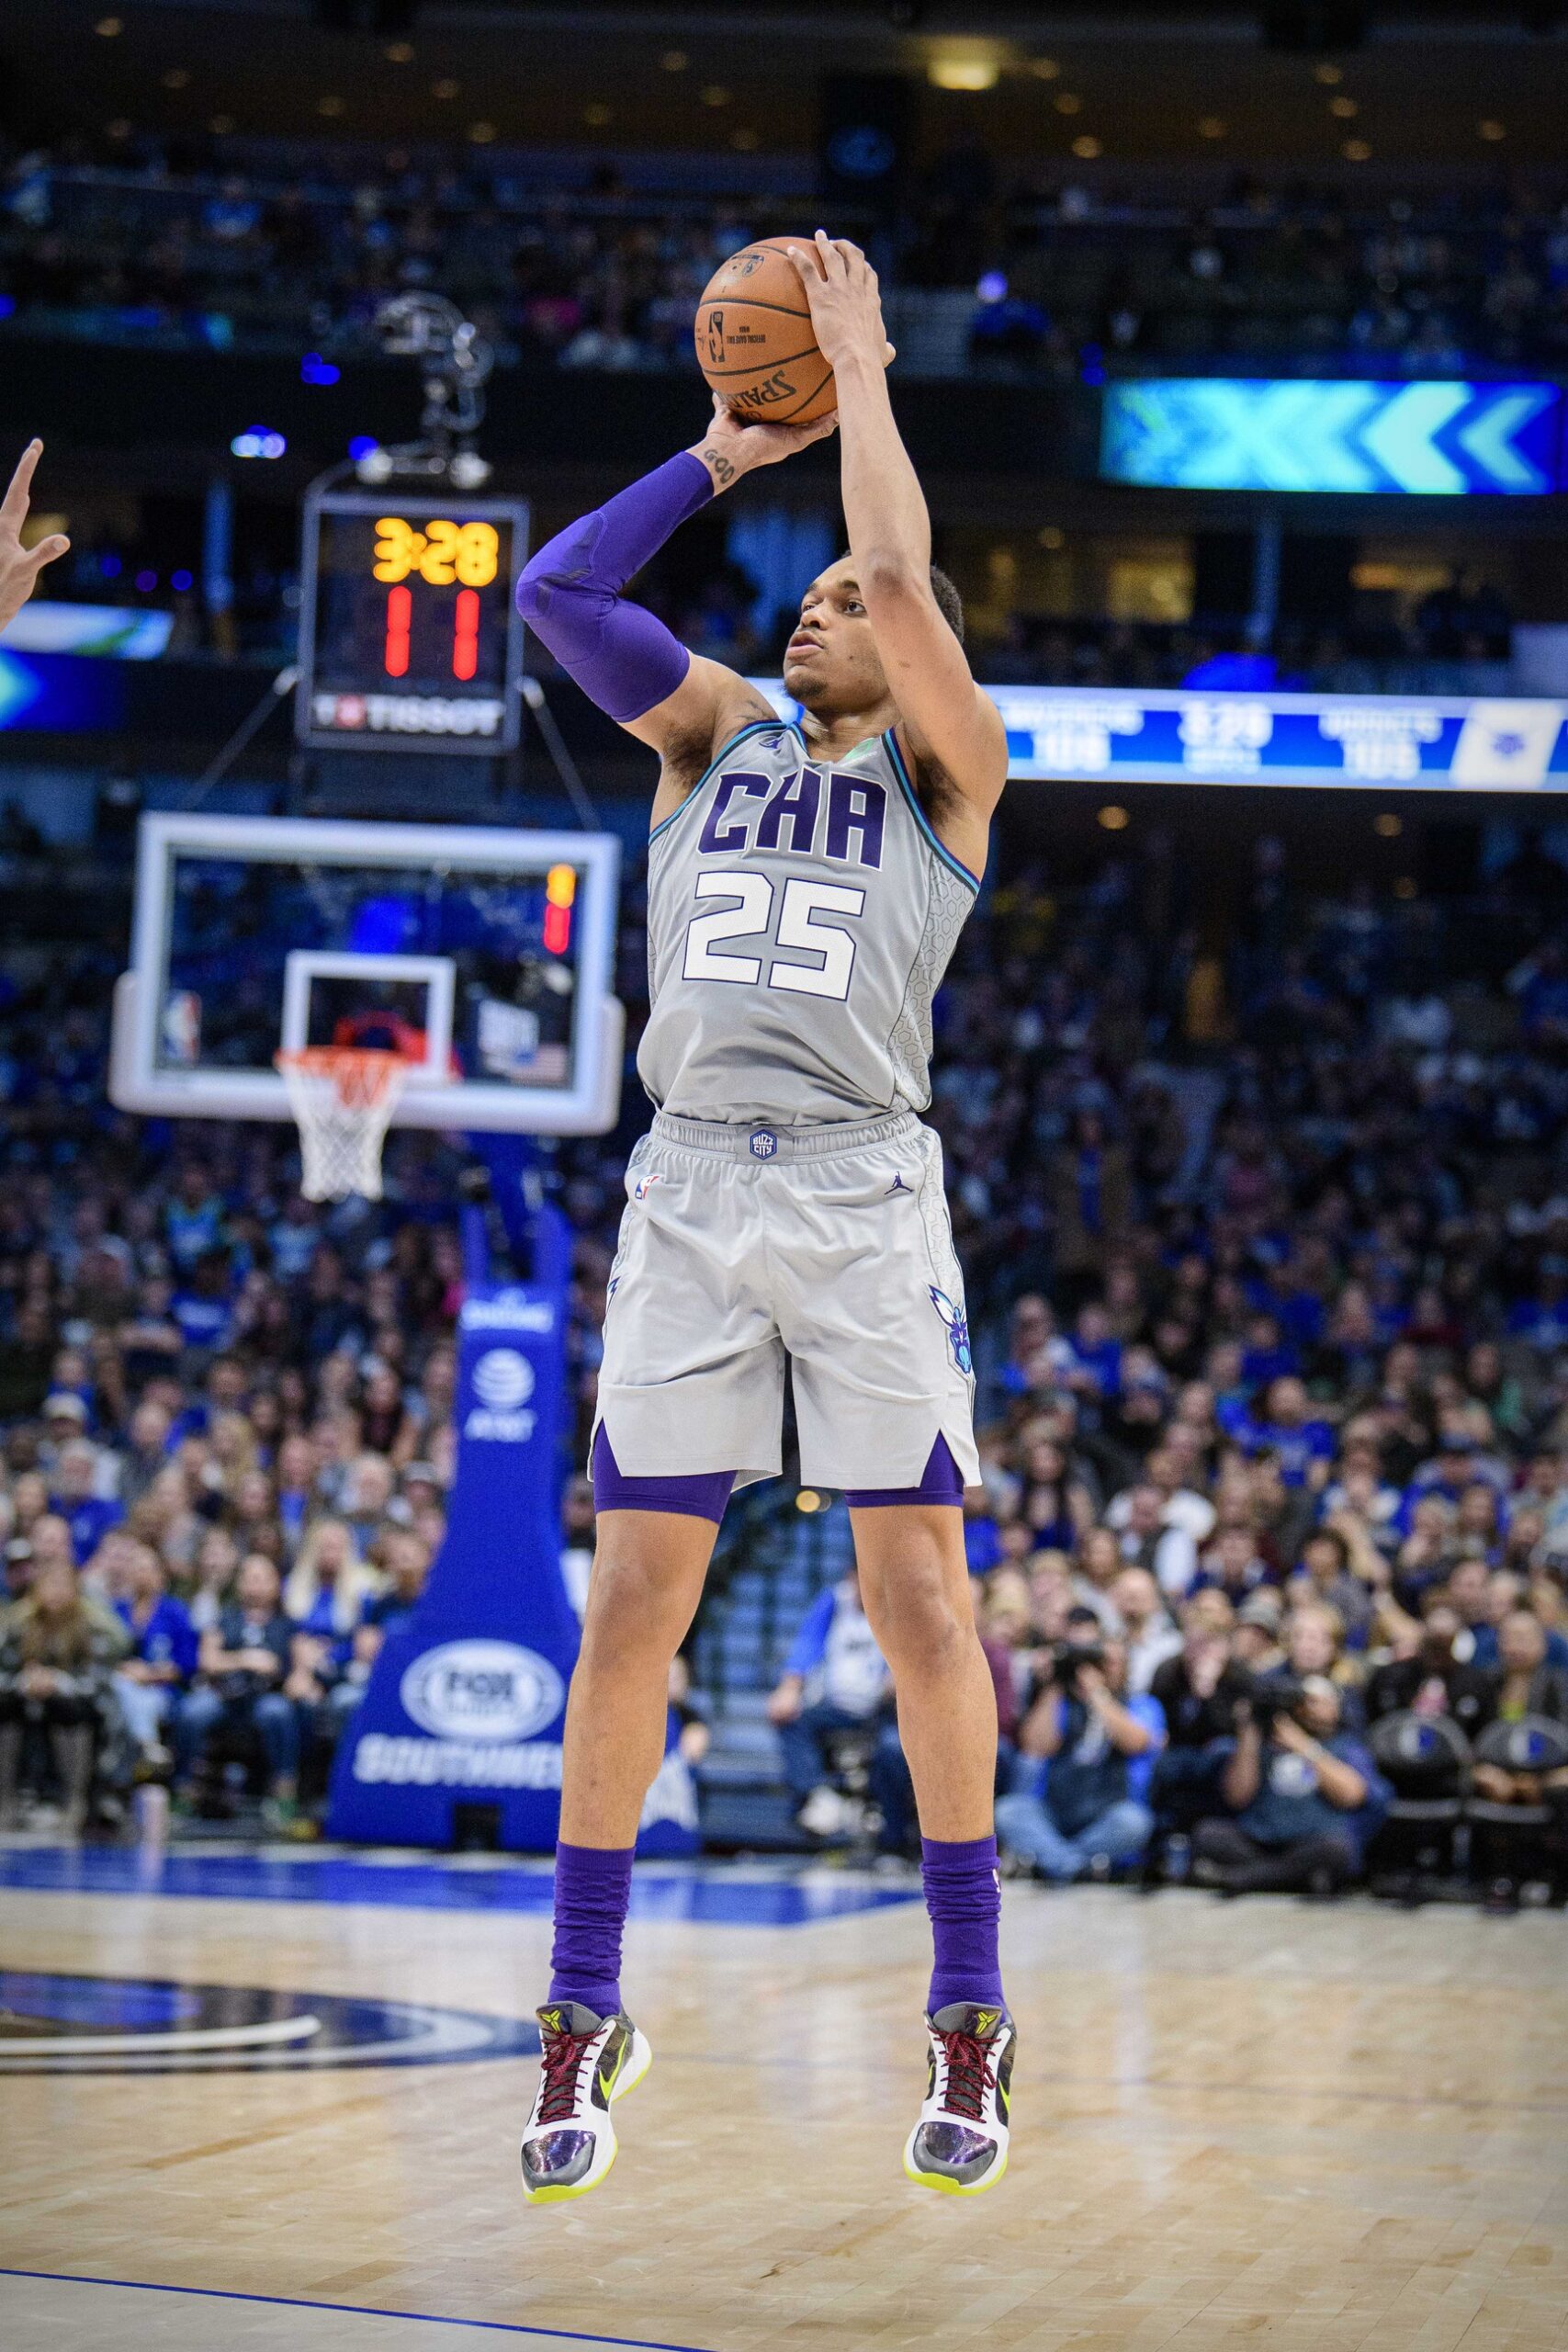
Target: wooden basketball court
(1312,2129)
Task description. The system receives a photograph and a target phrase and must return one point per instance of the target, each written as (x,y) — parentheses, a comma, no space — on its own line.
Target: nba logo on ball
(765,1143)
(503,1382)
(482,1691)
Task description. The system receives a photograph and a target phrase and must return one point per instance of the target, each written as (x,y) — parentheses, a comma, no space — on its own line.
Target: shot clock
(408,636)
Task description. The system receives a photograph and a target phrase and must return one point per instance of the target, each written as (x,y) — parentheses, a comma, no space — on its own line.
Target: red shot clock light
(560,891)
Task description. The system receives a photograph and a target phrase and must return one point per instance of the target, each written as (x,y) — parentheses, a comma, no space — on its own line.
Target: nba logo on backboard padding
(765,1143)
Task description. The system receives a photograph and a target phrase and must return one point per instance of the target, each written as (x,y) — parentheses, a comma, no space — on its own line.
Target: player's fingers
(45,551)
(807,264)
(827,253)
(14,505)
(889,354)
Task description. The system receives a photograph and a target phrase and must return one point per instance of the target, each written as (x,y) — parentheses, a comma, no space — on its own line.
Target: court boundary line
(355,2310)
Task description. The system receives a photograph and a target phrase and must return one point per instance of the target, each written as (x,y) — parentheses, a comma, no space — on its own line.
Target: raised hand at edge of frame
(20,566)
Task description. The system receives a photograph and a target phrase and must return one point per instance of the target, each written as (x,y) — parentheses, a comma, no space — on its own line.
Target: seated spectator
(1525,1683)
(835,1679)
(1324,1575)
(1096,1743)
(1315,1644)
(1150,1540)
(1233,1565)
(1260,1621)
(239,1699)
(1301,1801)
(1146,1627)
(1506,1595)
(75,1499)
(57,1659)
(163,1654)
(328,1586)
(1435,1681)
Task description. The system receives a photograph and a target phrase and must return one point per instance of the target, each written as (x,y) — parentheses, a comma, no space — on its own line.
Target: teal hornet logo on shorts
(957,1323)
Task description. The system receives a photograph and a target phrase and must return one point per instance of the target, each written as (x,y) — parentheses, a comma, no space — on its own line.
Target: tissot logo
(482,1691)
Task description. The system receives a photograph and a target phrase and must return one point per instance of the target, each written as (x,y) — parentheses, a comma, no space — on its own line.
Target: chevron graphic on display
(1424,439)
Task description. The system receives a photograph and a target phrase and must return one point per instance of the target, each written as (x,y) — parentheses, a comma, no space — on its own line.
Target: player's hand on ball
(846,306)
(730,448)
(19,566)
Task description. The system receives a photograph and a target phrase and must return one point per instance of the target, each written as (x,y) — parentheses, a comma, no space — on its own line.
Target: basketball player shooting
(806,886)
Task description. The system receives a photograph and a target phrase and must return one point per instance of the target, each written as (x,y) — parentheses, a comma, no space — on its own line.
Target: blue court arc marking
(355,2311)
(131,2025)
(694,1896)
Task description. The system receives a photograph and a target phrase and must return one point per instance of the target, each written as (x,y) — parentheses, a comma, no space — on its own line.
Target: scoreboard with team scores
(410,638)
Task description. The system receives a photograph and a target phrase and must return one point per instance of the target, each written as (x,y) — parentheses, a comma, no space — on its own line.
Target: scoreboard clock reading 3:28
(409,638)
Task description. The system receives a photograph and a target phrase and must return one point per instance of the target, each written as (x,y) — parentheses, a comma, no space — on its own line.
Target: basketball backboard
(485,956)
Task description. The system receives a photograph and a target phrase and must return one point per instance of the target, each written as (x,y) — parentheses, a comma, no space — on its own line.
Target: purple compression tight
(622,657)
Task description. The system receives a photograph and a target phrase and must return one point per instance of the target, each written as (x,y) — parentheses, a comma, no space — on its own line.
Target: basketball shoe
(586,2063)
(960,2144)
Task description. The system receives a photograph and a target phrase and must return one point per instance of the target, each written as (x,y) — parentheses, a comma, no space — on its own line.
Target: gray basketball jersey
(800,917)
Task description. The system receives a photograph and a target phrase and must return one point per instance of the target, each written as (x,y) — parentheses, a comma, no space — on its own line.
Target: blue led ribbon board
(1420,439)
(1432,743)
(1184,735)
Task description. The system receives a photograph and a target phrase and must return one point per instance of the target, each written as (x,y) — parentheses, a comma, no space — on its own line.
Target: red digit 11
(464,633)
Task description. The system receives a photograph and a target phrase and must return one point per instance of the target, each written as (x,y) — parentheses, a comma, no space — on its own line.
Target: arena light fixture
(1087,146)
(675,61)
(445,88)
(1046,68)
(1345,109)
(962,68)
(1210,126)
(1114,818)
(259,441)
(1068,102)
(480,134)
(1388,825)
(1356,150)
(108,27)
(1491,129)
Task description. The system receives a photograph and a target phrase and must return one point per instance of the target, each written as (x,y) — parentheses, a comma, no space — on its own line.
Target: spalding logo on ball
(754,338)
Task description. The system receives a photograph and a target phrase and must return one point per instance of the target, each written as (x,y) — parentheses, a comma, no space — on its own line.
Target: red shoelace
(969,2074)
(563,2054)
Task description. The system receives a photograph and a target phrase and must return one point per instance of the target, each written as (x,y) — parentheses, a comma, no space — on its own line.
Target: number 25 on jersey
(805,923)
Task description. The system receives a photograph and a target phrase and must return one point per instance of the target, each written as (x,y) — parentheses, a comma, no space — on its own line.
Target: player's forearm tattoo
(721,467)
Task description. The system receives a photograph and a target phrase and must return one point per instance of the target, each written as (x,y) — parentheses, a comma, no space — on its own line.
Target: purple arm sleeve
(622,657)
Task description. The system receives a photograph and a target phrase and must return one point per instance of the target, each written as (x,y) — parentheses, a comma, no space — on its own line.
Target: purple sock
(593,1885)
(964,1897)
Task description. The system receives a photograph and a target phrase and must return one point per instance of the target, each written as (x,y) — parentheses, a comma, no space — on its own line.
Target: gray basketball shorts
(830,1244)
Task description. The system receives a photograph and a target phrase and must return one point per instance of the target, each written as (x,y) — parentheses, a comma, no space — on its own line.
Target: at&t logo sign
(503,1382)
(482,1691)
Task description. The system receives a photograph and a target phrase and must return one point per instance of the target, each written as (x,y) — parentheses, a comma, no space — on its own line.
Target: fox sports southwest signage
(461,1728)
(1445,439)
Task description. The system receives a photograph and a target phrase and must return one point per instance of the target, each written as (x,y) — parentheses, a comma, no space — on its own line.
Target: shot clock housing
(410,638)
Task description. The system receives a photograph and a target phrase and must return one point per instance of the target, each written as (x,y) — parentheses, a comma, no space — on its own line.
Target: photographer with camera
(1095,1744)
(1302,1798)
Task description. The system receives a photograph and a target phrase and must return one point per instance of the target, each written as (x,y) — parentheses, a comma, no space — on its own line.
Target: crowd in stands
(1265,1240)
(223,245)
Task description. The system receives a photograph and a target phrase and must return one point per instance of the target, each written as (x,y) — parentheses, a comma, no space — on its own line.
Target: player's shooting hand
(846,307)
(730,448)
(19,566)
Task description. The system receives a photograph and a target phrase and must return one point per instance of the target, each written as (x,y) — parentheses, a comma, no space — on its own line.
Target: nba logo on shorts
(765,1143)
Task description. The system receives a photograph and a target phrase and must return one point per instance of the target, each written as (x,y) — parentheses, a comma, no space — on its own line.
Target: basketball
(754,339)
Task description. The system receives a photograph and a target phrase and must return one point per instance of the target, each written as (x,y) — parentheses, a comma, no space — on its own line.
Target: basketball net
(342,1097)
